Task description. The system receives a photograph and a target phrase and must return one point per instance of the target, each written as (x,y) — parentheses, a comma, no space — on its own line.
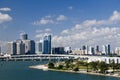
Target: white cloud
(5,9)
(50,20)
(39,31)
(61,18)
(112,20)
(39,35)
(91,32)
(115,16)
(44,21)
(5,17)
(65,31)
(70,7)
(47,30)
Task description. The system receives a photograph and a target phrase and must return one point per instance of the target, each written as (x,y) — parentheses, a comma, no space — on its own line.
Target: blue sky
(71,22)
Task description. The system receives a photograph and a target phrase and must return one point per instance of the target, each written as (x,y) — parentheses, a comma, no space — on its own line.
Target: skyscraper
(87,48)
(84,49)
(97,48)
(29,46)
(117,51)
(93,51)
(103,49)
(12,48)
(58,50)
(32,47)
(20,48)
(39,47)
(108,49)
(23,36)
(90,50)
(47,44)
(0,49)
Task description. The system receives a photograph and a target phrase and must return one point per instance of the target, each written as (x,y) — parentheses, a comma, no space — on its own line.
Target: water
(19,71)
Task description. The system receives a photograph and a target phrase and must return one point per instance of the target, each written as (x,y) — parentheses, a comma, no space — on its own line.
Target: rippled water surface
(19,70)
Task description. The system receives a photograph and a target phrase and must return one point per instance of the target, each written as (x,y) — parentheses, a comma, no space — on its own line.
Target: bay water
(19,70)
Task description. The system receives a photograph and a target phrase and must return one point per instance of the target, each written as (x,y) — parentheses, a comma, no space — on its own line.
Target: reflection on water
(19,70)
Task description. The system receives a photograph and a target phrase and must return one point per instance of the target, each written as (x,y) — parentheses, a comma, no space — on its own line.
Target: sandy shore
(45,67)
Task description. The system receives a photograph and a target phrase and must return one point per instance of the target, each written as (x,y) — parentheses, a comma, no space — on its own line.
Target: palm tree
(103,67)
(87,65)
(113,65)
(51,65)
(94,65)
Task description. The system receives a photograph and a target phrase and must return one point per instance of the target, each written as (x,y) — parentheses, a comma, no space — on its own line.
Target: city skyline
(71,23)
(27,46)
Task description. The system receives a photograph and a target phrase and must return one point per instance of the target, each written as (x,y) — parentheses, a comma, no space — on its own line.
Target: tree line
(76,65)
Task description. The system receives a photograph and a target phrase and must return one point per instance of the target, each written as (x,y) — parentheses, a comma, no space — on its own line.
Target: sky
(70,22)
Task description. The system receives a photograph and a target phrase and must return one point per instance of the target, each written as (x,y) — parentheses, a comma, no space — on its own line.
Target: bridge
(59,57)
(41,57)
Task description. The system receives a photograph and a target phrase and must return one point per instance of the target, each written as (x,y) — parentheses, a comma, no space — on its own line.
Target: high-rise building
(39,47)
(90,50)
(47,44)
(29,46)
(97,48)
(0,49)
(104,50)
(32,47)
(85,49)
(12,48)
(108,49)
(20,48)
(93,51)
(23,36)
(117,51)
(58,50)
(97,52)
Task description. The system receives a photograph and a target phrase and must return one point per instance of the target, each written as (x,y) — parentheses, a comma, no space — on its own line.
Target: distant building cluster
(24,46)
(44,47)
(89,50)
(21,46)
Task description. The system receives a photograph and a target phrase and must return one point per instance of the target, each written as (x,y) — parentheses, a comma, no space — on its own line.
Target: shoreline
(45,68)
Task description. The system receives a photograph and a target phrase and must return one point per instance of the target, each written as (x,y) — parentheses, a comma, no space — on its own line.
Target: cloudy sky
(71,22)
